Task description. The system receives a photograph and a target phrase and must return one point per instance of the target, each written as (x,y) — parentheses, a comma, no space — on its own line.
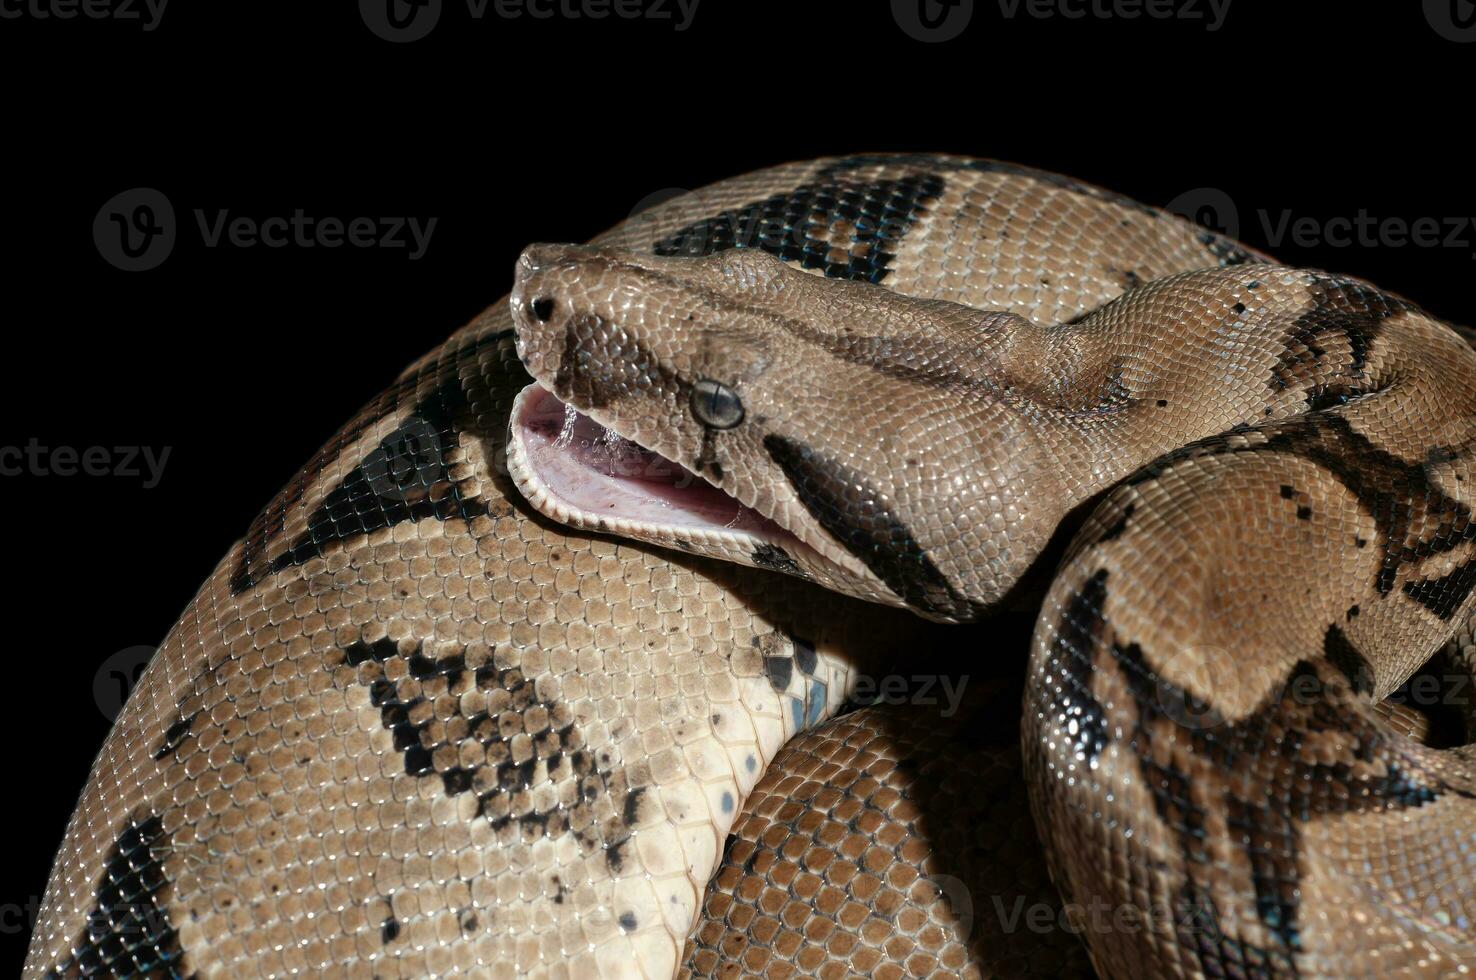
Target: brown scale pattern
(891,842)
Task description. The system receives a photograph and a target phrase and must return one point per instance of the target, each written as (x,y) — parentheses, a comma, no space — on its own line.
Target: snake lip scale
(610,709)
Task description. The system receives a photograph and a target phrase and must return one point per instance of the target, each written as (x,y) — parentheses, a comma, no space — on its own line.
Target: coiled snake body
(549,681)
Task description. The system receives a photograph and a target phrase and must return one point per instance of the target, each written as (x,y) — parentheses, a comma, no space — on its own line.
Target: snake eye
(716,405)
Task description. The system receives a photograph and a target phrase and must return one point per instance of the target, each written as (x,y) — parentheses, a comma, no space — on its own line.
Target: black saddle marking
(128,932)
(845,226)
(403,478)
(1446,594)
(1341,307)
(1414,517)
(1224,251)
(1286,790)
(1115,529)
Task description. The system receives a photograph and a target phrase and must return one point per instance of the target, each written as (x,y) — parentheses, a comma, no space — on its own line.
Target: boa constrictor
(547,679)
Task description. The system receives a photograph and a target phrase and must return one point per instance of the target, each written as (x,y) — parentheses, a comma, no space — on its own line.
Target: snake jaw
(574,470)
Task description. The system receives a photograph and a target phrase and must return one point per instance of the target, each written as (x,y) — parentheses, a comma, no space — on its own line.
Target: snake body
(437,713)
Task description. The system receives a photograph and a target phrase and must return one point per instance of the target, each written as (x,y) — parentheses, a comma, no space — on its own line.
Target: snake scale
(576,674)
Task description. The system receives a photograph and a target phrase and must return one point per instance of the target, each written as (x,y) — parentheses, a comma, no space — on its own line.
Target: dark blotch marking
(379,651)
(939,164)
(615,855)
(1304,513)
(805,657)
(847,227)
(1342,654)
(1226,251)
(628,921)
(1078,636)
(369,497)
(128,932)
(1288,491)
(1319,398)
(1118,526)
(175,736)
(1414,517)
(775,558)
(1203,938)
(779,670)
(630,812)
(1446,594)
(844,504)
(389,931)
(1340,307)
(405,478)
(431,739)
(1283,786)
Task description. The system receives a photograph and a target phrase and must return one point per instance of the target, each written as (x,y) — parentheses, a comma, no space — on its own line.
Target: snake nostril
(542,308)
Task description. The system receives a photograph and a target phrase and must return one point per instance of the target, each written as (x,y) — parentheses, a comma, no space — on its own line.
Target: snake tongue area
(580,473)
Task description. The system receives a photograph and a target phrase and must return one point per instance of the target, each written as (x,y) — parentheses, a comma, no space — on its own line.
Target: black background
(244,361)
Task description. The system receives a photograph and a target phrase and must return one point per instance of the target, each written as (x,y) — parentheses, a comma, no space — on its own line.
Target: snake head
(736,407)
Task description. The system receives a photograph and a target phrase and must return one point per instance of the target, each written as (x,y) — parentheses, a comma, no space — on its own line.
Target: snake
(887,565)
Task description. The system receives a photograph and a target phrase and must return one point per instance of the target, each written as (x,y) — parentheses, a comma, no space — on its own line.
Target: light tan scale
(431,718)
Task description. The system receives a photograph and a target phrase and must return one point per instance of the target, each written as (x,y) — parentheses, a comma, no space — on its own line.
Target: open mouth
(578,472)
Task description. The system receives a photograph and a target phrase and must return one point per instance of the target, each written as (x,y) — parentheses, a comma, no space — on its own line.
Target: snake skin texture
(412,726)
(872,847)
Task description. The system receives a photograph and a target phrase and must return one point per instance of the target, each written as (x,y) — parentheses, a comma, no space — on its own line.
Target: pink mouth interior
(593,470)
